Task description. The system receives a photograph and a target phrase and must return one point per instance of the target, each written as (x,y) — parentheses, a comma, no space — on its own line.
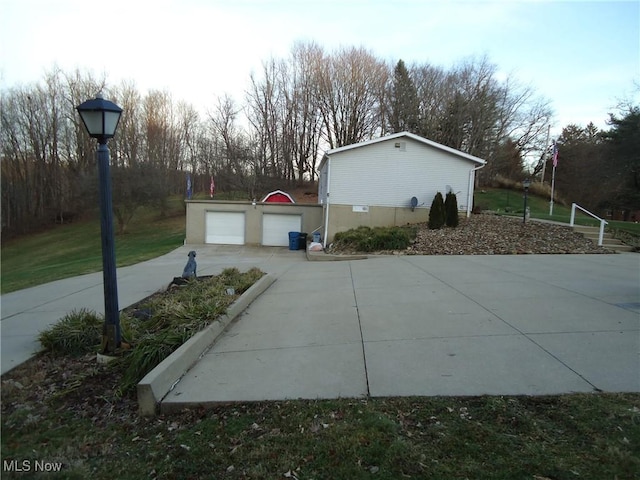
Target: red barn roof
(278,196)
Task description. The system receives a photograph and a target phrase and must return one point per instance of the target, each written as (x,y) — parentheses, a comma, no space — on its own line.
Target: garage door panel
(225,228)
(276,228)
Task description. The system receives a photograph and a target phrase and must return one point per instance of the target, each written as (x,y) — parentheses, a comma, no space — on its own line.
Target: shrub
(451,210)
(366,239)
(436,213)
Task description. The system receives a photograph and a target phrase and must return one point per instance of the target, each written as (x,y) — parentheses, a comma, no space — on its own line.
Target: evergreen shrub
(451,210)
(436,213)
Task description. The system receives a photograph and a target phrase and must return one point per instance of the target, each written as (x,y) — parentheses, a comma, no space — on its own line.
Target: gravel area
(486,234)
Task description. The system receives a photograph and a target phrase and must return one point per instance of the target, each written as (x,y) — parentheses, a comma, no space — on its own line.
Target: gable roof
(279,197)
(410,135)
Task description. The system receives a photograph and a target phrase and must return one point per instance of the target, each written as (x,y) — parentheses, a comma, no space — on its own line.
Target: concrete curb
(327,257)
(163,378)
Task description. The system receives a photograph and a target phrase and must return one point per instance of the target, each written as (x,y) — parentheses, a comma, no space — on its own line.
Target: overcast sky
(582,56)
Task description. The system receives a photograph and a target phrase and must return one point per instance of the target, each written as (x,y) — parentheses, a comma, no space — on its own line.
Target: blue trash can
(294,240)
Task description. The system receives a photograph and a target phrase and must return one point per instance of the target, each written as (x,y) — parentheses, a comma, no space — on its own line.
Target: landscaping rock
(487,234)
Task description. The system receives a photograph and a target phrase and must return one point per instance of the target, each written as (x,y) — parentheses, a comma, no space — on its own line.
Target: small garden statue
(190,268)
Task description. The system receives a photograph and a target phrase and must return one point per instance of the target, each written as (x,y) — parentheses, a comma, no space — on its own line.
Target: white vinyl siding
(381,174)
(225,228)
(276,228)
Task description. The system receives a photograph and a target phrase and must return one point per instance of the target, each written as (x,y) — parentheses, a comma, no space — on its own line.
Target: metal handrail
(602,222)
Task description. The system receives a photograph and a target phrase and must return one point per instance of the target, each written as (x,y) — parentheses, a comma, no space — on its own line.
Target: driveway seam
(364,353)
(521,332)
(289,347)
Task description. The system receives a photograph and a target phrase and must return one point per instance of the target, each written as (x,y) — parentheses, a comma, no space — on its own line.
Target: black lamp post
(526,184)
(100,118)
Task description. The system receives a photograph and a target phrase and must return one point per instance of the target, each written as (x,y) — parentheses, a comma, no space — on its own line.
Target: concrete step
(619,247)
(586,229)
(608,242)
(595,236)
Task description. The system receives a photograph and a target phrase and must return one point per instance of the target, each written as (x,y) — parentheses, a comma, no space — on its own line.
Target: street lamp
(526,183)
(100,118)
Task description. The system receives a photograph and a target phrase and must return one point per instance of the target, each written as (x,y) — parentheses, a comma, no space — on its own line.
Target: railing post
(603,222)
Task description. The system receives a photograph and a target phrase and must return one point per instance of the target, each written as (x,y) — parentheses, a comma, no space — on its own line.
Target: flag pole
(546,149)
(553,175)
(553,182)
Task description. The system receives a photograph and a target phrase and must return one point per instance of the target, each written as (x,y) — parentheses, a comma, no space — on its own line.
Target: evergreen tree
(403,114)
(622,145)
(436,213)
(451,210)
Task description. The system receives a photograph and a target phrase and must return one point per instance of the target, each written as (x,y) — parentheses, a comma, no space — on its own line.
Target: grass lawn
(512,202)
(585,436)
(75,249)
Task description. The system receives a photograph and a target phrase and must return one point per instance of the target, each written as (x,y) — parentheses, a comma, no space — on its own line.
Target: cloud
(579,54)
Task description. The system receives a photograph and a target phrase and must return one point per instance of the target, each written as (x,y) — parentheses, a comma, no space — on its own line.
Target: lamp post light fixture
(526,183)
(101,118)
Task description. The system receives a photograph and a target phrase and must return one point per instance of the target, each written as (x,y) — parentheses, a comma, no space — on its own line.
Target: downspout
(472,176)
(326,211)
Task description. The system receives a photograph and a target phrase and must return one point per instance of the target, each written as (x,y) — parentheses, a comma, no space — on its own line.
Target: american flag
(212,187)
(555,154)
(189,188)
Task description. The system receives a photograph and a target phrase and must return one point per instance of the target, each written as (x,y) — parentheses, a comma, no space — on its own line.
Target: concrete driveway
(27,312)
(401,325)
(429,325)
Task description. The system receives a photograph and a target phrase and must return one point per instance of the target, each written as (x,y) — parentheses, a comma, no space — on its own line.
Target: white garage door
(225,228)
(276,228)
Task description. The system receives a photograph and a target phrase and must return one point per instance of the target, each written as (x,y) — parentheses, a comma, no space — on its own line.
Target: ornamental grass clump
(176,315)
(77,333)
(170,318)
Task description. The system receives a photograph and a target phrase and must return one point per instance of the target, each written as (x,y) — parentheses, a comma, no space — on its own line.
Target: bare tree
(468,109)
(266,113)
(41,161)
(233,162)
(129,143)
(351,88)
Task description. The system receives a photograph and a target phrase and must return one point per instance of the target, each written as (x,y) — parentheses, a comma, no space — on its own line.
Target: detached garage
(225,228)
(248,223)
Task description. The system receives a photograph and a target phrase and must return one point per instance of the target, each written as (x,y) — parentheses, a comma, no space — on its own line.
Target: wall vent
(402,146)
